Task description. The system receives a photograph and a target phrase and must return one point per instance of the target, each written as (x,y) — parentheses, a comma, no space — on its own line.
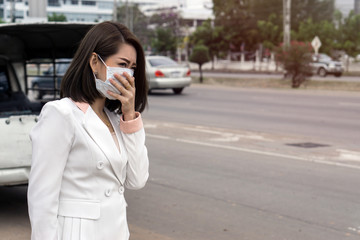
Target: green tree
(270,32)
(166,36)
(200,55)
(238,23)
(240,18)
(349,37)
(325,30)
(318,10)
(57,18)
(210,37)
(164,41)
(139,22)
(295,60)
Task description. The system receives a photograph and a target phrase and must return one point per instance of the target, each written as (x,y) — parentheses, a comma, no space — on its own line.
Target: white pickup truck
(25,49)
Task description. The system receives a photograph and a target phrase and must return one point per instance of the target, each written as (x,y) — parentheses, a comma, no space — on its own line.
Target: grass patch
(280,83)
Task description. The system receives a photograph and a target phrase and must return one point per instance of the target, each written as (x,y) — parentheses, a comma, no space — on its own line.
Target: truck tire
(322,72)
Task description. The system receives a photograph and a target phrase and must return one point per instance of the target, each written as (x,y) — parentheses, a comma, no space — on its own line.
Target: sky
(343,5)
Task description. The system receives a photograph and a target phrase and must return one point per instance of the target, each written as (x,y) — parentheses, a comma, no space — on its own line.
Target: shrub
(295,60)
(200,55)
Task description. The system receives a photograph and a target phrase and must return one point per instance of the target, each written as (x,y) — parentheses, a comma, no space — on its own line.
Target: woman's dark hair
(104,39)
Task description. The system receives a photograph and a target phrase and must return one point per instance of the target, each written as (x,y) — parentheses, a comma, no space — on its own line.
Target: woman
(84,151)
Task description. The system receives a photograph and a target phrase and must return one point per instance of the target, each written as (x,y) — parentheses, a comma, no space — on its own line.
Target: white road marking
(349,155)
(227,137)
(273,154)
(157,136)
(147,125)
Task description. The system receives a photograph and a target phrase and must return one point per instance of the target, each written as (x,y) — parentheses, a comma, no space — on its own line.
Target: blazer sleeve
(137,169)
(52,139)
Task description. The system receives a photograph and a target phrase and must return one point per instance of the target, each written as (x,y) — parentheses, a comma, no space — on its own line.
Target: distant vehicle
(323,65)
(50,80)
(22,45)
(164,73)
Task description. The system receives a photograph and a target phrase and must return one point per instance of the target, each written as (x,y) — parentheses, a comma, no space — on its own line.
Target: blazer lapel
(102,137)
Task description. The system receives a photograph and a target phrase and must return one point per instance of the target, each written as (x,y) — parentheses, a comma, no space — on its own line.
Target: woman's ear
(94,63)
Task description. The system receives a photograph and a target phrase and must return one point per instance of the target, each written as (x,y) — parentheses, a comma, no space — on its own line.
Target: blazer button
(108,192)
(100,165)
(121,189)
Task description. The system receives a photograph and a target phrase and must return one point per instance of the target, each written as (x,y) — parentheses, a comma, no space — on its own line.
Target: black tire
(322,72)
(178,90)
(338,74)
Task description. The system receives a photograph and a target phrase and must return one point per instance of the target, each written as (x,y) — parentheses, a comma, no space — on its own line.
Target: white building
(101,10)
(74,10)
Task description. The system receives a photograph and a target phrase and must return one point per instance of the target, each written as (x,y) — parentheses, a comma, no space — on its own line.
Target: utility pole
(115,11)
(287,12)
(131,23)
(357,7)
(127,13)
(12,11)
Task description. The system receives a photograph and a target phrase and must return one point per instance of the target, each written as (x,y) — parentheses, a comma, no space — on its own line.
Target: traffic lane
(14,220)
(329,115)
(199,192)
(272,76)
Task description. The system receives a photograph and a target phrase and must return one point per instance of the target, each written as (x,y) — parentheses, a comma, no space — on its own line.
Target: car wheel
(36,92)
(322,72)
(338,74)
(177,90)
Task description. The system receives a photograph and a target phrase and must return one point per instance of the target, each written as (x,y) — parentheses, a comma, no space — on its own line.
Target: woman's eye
(122,64)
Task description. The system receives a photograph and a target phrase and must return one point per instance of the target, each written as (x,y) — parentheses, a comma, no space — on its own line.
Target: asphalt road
(222,168)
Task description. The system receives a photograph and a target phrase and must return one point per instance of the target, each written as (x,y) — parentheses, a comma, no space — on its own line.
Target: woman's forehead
(127,51)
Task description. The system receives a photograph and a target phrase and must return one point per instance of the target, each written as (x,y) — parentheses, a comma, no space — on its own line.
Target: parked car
(21,44)
(323,65)
(50,80)
(164,73)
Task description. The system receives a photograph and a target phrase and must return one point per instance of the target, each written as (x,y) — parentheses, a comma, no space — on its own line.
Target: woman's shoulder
(63,106)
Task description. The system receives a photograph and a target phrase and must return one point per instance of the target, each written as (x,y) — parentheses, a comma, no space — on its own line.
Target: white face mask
(104,86)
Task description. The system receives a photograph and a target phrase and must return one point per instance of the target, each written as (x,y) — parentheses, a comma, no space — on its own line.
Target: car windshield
(162,62)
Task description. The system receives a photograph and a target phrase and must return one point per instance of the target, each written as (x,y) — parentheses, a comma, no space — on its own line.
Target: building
(74,10)
(99,10)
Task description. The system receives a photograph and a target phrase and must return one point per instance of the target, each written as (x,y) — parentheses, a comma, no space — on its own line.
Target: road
(272,76)
(222,168)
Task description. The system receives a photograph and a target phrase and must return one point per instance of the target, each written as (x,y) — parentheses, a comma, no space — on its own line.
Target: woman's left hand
(127,97)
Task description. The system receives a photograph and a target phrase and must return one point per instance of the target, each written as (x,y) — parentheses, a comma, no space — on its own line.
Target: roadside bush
(295,60)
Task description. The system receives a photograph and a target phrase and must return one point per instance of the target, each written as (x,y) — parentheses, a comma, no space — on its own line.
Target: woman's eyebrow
(126,60)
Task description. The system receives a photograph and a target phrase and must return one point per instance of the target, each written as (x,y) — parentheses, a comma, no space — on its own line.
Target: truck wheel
(322,72)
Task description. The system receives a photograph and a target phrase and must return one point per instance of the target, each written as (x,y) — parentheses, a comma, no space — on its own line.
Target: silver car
(164,73)
(323,65)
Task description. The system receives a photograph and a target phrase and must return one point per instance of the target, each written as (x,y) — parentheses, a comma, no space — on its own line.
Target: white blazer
(77,178)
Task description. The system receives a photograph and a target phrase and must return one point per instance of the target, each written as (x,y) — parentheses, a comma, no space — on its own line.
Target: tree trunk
(200,70)
(297,80)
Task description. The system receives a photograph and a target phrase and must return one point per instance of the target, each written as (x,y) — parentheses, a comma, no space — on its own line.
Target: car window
(162,62)
(4,84)
(324,57)
(62,67)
